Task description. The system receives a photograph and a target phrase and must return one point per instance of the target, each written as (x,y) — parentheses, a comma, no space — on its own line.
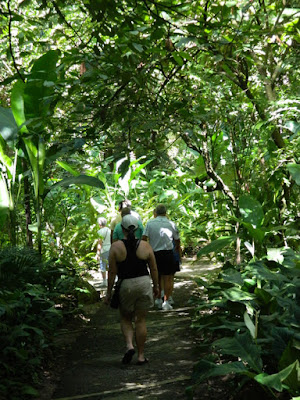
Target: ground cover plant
(250,321)
(35,298)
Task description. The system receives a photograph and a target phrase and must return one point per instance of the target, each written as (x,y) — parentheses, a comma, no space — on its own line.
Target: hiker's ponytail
(131,238)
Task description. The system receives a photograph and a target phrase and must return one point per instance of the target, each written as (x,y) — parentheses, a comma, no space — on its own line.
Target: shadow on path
(93,369)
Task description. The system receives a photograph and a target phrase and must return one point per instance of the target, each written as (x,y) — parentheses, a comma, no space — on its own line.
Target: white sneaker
(158,303)
(171,301)
(166,306)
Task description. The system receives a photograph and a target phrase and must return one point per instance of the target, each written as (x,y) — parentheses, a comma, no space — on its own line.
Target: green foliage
(35,297)
(294,169)
(216,246)
(191,104)
(254,322)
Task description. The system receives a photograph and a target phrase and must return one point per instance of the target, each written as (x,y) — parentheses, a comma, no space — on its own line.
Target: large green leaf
(206,369)
(8,126)
(17,104)
(251,210)
(293,126)
(4,159)
(258,269)
(263,296)
(45,63)
(291,354)
(135,172)
(233,276)
(275,381)
(256,233)
(68,168)
(242,346)
(39,92)
(236,294)
(250,325)
(216,245)
(79,180)
(294,170)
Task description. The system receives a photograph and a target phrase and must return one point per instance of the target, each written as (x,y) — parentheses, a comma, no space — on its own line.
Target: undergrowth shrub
(35,297)
(248,318)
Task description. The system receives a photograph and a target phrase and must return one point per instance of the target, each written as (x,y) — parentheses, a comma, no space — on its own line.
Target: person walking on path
(130,259)
(103,248)
(161,233)
(118,231)
(122,204)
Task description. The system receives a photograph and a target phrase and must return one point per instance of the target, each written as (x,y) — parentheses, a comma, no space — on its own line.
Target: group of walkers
(138,256)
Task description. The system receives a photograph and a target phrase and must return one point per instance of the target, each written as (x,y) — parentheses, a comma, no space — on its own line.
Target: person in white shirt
(103,248)
(161,233)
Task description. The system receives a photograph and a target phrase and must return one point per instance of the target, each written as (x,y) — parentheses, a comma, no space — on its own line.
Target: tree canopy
(207,89)
(194,104)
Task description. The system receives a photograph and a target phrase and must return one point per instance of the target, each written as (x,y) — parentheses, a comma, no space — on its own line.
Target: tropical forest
(190,104)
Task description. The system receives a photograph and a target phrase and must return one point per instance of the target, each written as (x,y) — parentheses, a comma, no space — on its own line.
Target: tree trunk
(29,241)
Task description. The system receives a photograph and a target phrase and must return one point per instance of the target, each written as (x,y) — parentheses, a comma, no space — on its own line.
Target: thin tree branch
(10,42)
(57,9)
(212,173)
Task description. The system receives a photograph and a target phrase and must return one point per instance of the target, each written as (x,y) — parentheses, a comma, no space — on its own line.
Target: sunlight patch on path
(129,387)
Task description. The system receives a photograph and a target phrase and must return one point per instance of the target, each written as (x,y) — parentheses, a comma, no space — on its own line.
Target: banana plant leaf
(207,369)
(8,126)
(275,381)
(294,170)
(242,346)
(216,246)
(78,180)
(251,211)
(68,168)
(258,269)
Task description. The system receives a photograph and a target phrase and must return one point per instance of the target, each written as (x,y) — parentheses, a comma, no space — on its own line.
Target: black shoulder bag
(115,299)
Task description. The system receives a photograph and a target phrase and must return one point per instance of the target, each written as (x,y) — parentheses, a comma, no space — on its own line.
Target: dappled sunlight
(166,232)
(205,267)
(131,385)
(178,284)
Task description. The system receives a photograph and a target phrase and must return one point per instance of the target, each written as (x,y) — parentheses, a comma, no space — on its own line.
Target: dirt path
(93,369)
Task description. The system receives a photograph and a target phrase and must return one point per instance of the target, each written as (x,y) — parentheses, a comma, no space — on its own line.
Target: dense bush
(35,297)
(250,323)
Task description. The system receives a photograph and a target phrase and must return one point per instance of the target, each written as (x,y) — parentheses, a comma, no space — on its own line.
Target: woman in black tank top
(136,291)
(132,266)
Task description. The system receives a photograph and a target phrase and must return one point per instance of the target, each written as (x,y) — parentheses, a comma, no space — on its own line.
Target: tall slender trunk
(12,228)
(29,241)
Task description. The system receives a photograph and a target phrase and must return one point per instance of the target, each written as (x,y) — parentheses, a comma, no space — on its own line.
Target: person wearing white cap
(131,259)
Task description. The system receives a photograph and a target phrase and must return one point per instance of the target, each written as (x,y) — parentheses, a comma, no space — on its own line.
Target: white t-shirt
(104,234)
(161,232)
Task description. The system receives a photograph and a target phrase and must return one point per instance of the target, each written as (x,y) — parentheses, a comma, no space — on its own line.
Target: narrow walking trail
(92,366)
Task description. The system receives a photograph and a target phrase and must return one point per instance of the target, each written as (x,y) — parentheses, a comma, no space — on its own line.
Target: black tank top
(132,266)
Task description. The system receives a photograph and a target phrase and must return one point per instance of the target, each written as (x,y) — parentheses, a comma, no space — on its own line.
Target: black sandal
(128,356)
(142,362)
